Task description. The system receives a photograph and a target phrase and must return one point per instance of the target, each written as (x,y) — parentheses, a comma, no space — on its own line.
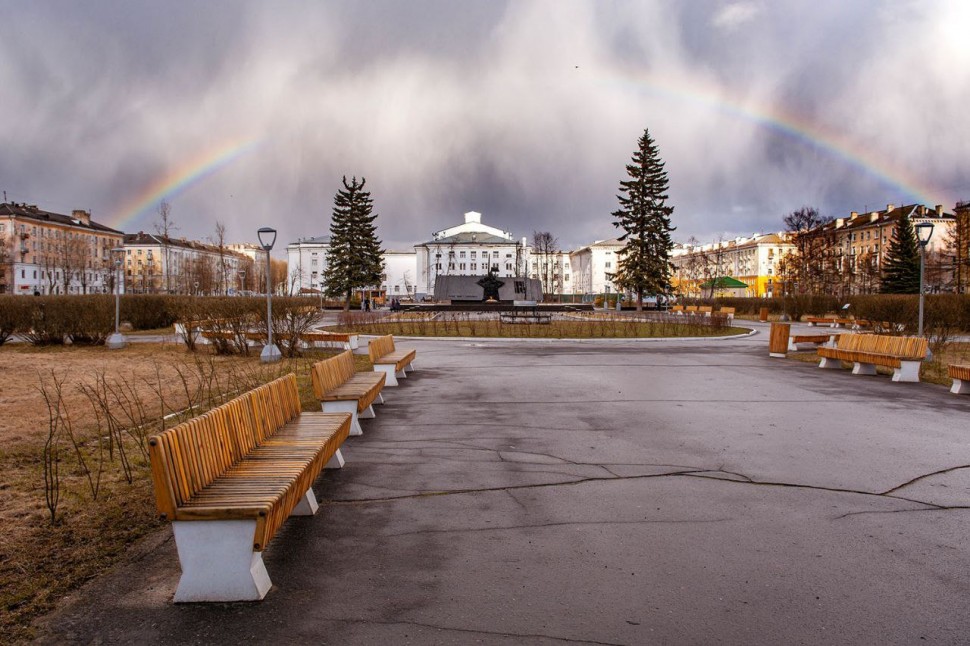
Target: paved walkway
(606,493)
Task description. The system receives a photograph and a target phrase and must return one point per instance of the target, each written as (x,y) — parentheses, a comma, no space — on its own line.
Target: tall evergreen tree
(901,272)
(644,263)
(354,260)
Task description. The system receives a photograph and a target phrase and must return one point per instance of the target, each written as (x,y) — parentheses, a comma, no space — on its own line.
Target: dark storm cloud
(526,112)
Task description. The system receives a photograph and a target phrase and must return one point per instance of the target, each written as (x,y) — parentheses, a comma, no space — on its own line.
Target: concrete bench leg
(336,461)
(218,561)
(345,407)
(792,346)
(307,506)
(830,364)
(367,413)
(907,371)
(380,399)
(960,387)
(409,367)
(863,368)
(390,375)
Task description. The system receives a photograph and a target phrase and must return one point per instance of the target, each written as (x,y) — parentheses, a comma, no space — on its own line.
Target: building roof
(152,239)
(890,215)
(313,240)
(31,212)
(469,237)
(724,282)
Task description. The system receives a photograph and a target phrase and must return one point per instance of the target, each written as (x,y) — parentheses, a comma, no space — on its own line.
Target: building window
(461,266)
(508,266)
(473,255)
(609,265)
(461,254)
(474,264)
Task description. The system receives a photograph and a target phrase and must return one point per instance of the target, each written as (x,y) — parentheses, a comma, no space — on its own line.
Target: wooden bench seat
(960,373)
(728,312)
(386,358)
(229,478)
(903,354)
(341,389)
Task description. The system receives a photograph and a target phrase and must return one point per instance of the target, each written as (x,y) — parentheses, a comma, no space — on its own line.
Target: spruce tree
(644,263)
(354,260)
(901,272)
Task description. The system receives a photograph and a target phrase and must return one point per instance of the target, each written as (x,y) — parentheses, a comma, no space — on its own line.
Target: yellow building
(754,261)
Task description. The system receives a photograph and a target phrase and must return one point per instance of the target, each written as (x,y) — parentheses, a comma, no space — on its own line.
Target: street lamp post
(270,353)
(924,231)
(117,340)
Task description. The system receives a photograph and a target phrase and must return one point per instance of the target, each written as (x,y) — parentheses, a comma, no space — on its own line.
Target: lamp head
(267,238)
(924,231)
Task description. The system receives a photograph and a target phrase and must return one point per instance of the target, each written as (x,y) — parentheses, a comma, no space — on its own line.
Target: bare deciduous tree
(165,227)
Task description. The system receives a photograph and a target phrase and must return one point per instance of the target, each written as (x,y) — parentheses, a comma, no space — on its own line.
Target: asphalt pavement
(604,492)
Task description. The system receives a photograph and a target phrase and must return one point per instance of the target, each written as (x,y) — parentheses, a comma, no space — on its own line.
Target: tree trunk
(639,301)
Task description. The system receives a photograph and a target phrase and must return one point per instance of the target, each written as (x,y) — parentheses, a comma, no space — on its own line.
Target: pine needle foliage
(644,217)
(901,272)
(354,260)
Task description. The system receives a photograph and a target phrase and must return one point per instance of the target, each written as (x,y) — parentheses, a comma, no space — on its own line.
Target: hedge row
(50,320)
(941,310)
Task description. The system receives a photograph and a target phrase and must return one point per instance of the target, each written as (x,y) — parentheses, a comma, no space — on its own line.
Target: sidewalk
(605,493)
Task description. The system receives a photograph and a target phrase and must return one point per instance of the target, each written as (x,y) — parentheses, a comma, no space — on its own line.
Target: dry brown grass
(41,560)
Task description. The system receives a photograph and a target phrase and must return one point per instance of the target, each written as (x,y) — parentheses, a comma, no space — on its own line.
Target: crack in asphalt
(924,476)
(596,523)
(706,474)
(474,631)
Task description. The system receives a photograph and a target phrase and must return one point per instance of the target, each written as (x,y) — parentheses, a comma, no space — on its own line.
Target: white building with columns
(469,249)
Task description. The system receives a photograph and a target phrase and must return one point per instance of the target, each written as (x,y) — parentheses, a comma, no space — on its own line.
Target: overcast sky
(524,111)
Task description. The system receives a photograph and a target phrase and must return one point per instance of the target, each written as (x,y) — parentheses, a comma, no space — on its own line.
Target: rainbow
(179,179)
(831,143)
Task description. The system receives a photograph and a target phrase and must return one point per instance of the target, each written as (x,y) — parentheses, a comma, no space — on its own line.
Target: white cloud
(735,14)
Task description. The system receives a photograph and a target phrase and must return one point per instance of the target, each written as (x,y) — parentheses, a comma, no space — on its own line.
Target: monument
(490,286)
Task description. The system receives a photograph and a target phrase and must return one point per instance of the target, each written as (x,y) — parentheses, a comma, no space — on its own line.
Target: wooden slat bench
(961,378)
(817,339)
(229,478)
(705,310)
(341,389)
(394,363)
(728,312)
(866,351)
(677,309)
(322,338)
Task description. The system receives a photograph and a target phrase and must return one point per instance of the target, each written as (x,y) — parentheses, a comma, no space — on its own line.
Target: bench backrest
(690,308)
(726,310)
(900,346)
(677,308)
(188,457)
(705,309)
(380,346)
(331,373)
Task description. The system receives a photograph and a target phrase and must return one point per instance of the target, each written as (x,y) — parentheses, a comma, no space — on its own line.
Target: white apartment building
(49,253)
(306,260)
(553,270)
(400,274)
(592,267)
(468,249)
